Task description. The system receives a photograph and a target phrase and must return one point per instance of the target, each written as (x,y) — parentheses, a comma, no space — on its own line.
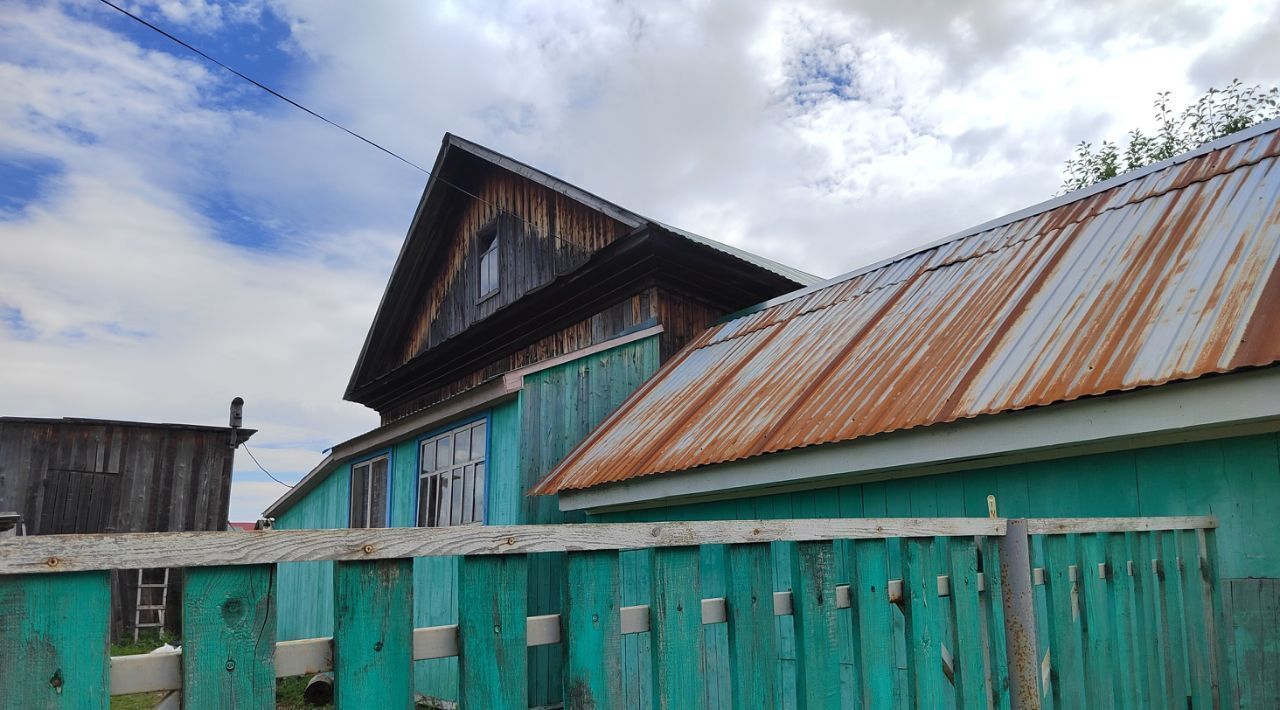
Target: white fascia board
(1236,404)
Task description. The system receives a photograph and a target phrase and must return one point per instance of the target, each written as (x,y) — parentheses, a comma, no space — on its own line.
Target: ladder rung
(151,607)
(152,586)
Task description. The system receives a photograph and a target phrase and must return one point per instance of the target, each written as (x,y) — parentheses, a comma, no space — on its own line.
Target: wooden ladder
(140,609)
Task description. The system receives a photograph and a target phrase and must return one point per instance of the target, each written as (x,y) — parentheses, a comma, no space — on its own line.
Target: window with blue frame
(369,493)
(451,477)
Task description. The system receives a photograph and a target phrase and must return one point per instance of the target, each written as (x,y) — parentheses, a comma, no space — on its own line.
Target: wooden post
(493,656)
(592,636)
(813,606)
(53,640)
(373,634)
(1019,616)
(753,640)
(229,637)
(675,630)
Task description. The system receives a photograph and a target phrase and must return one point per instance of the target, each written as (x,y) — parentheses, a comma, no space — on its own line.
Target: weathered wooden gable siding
(628,314)
(1236,479)
(541,233)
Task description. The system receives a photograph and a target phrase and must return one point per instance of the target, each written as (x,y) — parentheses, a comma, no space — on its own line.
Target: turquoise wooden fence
(935,613)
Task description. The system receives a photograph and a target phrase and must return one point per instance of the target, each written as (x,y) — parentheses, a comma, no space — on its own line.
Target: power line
(335,124)
(255,460)
(264,87)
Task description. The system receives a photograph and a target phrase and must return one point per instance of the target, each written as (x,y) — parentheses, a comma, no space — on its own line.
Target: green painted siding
(559,406)
(306,588)
(1236,479)
(528,435)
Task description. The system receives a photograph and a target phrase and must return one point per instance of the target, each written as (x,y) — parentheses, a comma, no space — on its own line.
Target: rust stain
(1150,281)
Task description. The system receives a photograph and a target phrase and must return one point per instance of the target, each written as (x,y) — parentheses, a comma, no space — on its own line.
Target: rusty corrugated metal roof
(1168,274)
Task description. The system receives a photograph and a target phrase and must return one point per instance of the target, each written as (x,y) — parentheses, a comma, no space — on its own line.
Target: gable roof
(409,274)
(1167,273)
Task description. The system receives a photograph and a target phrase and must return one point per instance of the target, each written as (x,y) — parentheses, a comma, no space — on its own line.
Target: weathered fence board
(230,639)
(813,608)
(492,630)
(593,663)
(675,630)
(54,639)
(1107,617)
(373,634)
(752,642)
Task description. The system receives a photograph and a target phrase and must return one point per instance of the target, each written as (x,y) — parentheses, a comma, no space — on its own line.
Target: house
(1111,352)
(96,475)
(521,311)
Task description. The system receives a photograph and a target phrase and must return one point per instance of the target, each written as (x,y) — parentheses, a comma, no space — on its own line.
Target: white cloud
(826,134)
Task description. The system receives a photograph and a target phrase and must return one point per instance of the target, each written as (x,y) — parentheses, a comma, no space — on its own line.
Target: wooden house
(1111,352)
(521,311)
(93,476)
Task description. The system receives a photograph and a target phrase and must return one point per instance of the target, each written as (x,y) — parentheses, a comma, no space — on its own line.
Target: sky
(172,237)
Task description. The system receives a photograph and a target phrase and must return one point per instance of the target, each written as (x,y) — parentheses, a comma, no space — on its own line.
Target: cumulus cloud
(191,240)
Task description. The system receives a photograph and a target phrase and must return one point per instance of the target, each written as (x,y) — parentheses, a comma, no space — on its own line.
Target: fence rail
(1056,613)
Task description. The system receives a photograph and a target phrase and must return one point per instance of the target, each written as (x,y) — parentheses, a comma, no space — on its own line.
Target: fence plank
(1130,659)
(993,615)
(675,629)
(1151,630)
(1062,592)
(373,634)
(493,663)
(875,623)
(53,640)
(924,657)
(229,637)
(966,608)
(813,599)
(1199,654)
(1174,634)
(753,641)
(592,638)
(1100,662)
(1224,682)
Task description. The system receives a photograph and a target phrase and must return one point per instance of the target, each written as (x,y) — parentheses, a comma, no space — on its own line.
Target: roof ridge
(1037,209)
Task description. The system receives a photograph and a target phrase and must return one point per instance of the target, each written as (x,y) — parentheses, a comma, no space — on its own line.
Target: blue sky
(172,237)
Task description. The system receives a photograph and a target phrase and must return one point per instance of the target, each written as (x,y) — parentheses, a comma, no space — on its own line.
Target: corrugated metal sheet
(1169,275)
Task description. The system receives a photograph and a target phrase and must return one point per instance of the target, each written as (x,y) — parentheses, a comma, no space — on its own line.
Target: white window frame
(452,480)
(362,478)
(490,268)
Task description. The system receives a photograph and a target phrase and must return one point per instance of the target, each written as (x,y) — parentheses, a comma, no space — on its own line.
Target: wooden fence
(952,612)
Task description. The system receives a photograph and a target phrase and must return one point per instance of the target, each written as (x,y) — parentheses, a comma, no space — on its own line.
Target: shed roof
(1167,273)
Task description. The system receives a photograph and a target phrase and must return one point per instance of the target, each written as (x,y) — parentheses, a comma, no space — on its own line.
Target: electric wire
(335,124)
(255,460)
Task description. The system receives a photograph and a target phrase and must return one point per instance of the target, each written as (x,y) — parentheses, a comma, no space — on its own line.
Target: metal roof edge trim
(1051,204)
(1121,420)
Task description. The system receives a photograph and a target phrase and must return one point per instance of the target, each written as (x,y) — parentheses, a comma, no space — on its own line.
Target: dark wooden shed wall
(76,476)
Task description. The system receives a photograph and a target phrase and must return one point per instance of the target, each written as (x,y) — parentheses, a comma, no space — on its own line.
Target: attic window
(488,265)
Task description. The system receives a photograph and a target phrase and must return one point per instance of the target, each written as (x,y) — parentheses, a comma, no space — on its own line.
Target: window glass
(489,268)
(451,480)
(369,494)
(462,446)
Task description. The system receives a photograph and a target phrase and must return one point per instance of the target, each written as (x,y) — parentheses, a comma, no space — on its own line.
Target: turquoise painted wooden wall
(527,436)
(306,588)
(1237,479)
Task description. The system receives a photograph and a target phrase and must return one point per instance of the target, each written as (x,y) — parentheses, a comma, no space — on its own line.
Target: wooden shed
(103,476)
